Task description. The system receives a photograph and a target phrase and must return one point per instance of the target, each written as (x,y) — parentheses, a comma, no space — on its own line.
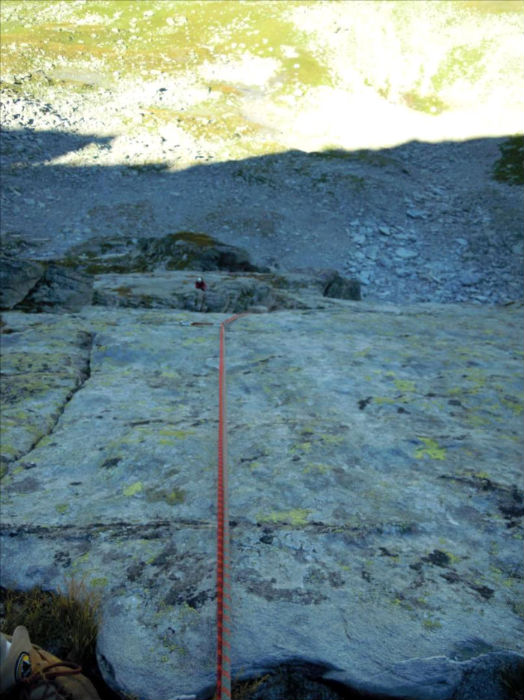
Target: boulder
(59,289)
(17,278)
(338,287)
(37,287)
(375,493)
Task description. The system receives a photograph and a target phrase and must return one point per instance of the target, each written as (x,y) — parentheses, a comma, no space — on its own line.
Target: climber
(37,673)
(200,284)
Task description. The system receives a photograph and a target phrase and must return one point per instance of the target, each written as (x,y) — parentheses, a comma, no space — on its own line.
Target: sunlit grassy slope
(144,38)
(289,70)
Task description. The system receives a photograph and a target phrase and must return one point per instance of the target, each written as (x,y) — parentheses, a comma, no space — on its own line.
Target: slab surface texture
(375,476)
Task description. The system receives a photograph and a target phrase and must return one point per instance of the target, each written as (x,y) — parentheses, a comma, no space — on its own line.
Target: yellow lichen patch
(515,406)
(478,380)
(296,516)
(363,353)
(431,449)
(404,385)
(475,420)
(312,467)
(300,447)
(331,439)
(132,489)
(177,434)
(193,341)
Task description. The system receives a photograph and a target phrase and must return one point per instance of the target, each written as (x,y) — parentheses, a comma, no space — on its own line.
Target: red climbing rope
(223,572)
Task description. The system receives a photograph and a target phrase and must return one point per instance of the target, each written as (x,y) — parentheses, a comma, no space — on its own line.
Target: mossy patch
(172,497)
(431,624)
(99,582)
(510,166)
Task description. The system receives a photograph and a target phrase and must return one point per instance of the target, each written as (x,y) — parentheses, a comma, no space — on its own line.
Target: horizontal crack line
(157,528)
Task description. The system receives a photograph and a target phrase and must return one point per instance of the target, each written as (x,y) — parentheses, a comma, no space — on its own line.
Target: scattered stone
(518,248)
(338,287)
(469,278)
(416,213)
(406,253)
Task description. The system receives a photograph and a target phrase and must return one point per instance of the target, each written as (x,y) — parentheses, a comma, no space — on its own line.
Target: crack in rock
(17,399)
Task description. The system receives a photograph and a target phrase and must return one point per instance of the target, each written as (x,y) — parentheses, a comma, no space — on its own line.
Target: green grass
(64,623)
(491,7)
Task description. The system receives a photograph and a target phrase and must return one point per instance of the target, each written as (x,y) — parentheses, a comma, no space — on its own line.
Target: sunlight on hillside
(242,78)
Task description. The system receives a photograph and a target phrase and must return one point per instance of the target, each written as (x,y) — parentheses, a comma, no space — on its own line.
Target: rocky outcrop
(375,492)
(178,251)
(230,293)
(147,273)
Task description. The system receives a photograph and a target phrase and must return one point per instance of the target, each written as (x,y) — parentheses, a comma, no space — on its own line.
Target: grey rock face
(375,490)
